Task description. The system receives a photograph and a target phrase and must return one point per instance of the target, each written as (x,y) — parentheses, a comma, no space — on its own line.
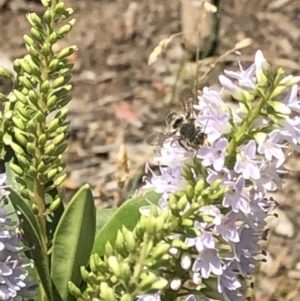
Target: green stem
(239,136)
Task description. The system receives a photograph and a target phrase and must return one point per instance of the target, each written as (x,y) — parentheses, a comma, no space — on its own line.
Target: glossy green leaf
(33,240)
(73,241)
(127,215)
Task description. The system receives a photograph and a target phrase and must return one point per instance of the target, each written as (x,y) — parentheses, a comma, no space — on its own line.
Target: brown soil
(118,98)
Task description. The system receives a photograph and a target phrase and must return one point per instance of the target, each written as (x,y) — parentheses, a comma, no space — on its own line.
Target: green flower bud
(159,284)
(23,161)
(84,273)
(126,297)
(74,290)
(51,173)
(183,201)
(17,149)
(147,281)
(95,262)
(37,35)
(119,242)
(46,3)
(47,17)
(21,97)
(290,80)
(58,82)
(65,29)
(60,180)
(59,139)
(20,136)
(34,20)
(277,91)
(34,69)
(280,107)
(26,82)
(59,8)
(53,38)
(187,222)
(28,40)
(7,139)
(35,209)
(161,250)
(50,149)
(16,169)
(45,87)
(54,64)
(130,240)
(199,187)
(41,167)
(114,265)
(51,101)
(106,292)
(18,123)
(216,185)
(67,13)
(47,49)
(109,250)
(53,125)
(32,171)
(30,148)
(64,53)
(55,204)
(150,225)
(5,73)
(33,97)
(42,140)
(125,271)
(40,117)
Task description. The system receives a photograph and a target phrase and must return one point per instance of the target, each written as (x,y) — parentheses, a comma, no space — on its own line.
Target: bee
(182,127)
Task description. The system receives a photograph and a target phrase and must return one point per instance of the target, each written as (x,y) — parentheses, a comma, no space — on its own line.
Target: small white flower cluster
(254,140)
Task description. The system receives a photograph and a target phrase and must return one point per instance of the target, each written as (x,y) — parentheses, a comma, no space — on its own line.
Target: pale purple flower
(270,147)
(224,175)
(248,244)
(15,281)
(228,229)
(246,78)
(214,155)
(229,280)
(235,198)
(291,99)
(259,207)
(208,262)
(214,126)
(246,163)
(172,154)
(212,211)
(205,240)
(270,179)
(210,102)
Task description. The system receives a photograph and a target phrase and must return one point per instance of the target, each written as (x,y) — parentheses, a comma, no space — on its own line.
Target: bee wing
(157,138)
(187,98)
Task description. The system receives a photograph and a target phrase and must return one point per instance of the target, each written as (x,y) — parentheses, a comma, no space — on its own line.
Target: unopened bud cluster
(34,123)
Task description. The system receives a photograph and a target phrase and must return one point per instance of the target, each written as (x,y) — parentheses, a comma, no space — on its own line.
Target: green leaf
(127,215)
(33,240)
(73,241)
(103,216)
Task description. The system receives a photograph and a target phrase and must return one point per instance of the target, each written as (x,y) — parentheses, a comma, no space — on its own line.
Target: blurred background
(118,99)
